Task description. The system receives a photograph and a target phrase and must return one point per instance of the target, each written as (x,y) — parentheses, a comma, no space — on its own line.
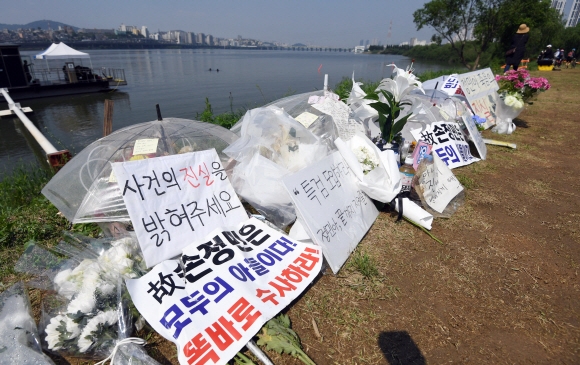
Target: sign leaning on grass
(480,89)
(174,199)
(447,142)
(337,214)
(226,286)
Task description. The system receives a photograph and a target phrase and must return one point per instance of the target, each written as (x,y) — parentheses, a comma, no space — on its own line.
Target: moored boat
(25,80)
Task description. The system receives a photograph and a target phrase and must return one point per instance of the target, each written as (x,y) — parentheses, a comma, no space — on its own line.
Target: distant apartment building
(200,38)
(574,15)
(413,42)
(559,5)
(209,40)
(144,31)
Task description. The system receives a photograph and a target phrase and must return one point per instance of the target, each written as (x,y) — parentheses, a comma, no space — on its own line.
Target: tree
(488,25)
(461,23)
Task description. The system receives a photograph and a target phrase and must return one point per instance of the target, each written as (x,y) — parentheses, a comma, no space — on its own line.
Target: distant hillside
(43,24)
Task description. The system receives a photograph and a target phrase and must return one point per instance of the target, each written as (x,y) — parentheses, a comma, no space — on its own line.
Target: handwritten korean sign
(341,114)
(213,300)
(336,212)
(439,185)
(173,199)
(447,142)
(480,89)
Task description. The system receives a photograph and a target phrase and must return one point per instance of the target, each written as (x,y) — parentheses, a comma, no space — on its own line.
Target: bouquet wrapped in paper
(376,171)
(508,107)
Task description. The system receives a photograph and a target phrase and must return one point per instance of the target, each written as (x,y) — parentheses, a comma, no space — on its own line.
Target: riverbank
(502,288)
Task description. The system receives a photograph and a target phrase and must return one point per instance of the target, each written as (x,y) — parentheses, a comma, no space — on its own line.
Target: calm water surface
(179,81)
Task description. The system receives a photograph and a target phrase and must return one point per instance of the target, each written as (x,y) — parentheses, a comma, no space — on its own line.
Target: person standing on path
(517,48)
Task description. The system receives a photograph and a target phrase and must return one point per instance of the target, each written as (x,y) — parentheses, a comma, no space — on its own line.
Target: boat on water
(25,79)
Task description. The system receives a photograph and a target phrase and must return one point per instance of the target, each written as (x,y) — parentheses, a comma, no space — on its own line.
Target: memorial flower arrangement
(367,159)
(88,323)
(389,100)
(519,85)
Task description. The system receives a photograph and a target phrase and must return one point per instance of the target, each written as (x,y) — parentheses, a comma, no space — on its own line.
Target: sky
(336,23)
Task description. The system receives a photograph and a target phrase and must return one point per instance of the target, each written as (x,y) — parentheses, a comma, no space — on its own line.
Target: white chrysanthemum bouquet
(81,317)
(365,156)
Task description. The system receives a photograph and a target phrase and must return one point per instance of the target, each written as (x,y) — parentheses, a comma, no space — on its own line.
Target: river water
(179,81)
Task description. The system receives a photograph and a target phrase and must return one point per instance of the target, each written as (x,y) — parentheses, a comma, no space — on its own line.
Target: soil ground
(503,286)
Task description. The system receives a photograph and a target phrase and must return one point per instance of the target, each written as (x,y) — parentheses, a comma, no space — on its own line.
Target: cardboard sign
(447,142)
(218,296)
(475,136)
(480,89)
(439,185)
(174,199)
(336,212)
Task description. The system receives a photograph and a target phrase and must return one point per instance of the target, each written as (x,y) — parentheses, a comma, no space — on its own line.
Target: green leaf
(241,359)
(277,336)
(381,107)
(399,125)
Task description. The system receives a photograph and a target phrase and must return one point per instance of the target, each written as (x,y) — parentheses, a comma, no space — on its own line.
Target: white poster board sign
(336,212)
(448,143)
(173,199)
(213,301)
(475,136)
(439,185)
(480,89)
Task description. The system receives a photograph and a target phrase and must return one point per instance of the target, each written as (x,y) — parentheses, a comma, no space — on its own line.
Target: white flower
(402,84)
(116,261)
(107,288)
(365,156)
(513,101)
(85,302)
(86,338)
(52,334)
(72,327)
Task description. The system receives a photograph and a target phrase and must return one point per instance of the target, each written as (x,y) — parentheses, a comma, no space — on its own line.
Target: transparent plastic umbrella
(84,190)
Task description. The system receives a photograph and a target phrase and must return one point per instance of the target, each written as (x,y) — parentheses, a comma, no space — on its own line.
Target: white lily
(357,102)
(400,86)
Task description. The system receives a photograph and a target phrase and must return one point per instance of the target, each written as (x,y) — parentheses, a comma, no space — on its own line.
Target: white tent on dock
(59,51)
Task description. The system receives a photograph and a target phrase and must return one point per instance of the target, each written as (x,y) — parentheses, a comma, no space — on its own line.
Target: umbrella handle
(158,112)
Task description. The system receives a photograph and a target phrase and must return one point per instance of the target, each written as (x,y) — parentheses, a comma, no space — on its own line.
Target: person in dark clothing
(27,71)
(547,57)
(518,45)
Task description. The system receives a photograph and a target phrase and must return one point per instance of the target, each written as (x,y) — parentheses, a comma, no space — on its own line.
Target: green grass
(466,181)
(429,74)
(344,87)
(364,264)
